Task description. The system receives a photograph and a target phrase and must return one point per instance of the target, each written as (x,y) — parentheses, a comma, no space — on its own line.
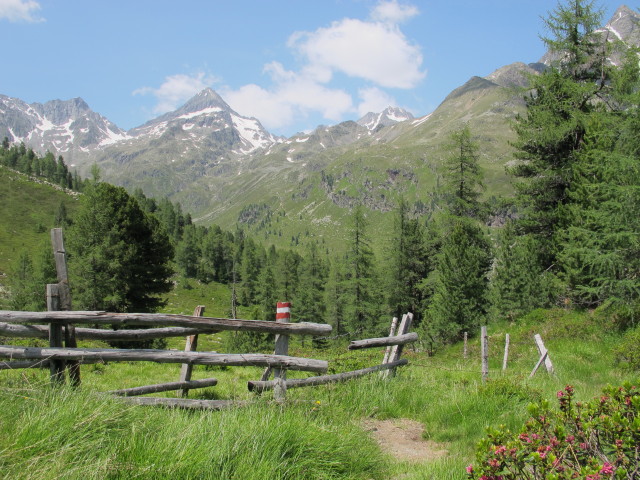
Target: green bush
(596,440)
(627,353)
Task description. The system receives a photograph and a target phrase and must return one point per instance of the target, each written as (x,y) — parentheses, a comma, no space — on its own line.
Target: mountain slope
(27,212)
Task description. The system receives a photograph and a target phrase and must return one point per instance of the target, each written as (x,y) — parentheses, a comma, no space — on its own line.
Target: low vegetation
(321,432)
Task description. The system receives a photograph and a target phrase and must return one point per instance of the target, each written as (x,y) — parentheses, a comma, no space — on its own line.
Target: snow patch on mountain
(389,116)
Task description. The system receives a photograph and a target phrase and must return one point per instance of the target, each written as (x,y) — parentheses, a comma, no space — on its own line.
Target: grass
(319,432)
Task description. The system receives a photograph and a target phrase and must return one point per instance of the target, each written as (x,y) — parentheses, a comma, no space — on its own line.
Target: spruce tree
(459,300)
(119,256)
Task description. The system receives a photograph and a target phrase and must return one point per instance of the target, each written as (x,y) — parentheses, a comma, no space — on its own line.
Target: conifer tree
(118,255)
(517,283)
(463,176)
(362,306)
(460,281)
(551,133)
(408,264)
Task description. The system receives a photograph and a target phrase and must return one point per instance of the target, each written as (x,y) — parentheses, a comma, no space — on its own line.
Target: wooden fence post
(396,350)
(283,315)
(506,351)
(191,345)
(56,367)
(465,353)
(542,349)
(392,332)
(484,347)
(60,256)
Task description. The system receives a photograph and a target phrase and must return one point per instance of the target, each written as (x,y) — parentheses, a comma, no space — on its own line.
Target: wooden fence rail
(260,386)
(384,341)
(94,355)
(165,387)
(42,331)
(160,319)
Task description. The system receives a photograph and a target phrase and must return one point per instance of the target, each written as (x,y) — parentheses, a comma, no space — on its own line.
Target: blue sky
(293,64)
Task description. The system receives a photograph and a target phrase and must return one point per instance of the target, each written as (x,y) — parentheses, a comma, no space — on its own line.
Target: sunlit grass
(319,433)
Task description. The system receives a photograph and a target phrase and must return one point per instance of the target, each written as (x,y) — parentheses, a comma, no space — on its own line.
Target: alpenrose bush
(594,440)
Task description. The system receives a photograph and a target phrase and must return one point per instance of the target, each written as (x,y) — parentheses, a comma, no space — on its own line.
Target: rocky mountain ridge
(217,163)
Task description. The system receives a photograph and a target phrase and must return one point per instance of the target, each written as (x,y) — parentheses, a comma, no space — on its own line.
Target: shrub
(627,353)
(596,440)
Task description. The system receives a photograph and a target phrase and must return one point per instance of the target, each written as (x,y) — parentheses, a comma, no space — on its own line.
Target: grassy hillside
(27,213)
(305,187)
(322,432)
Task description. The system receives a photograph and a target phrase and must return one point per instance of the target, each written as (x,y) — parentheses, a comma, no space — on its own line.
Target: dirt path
(402,438)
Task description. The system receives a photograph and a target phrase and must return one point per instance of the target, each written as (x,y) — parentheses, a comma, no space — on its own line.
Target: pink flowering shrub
(596,440)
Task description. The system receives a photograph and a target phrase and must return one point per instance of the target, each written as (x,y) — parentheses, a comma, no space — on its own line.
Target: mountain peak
(624,25)
(389,116)
(206,98)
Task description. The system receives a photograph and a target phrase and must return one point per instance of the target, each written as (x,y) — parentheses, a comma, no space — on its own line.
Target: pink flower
(469,469)
(560,394)
(607,469)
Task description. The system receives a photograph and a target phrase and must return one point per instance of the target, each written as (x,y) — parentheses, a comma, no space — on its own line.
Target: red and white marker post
(283,315)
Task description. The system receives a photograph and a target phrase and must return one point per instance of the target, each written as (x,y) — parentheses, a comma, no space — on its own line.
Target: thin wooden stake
(484,344)
(506,352)
(542,349)
(465,352)
(543,357)
(191,345)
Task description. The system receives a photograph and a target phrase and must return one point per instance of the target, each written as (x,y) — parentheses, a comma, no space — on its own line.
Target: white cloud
(292,96)
(20,10)
(176,90)
(376,51)
(373,99)
(393,12)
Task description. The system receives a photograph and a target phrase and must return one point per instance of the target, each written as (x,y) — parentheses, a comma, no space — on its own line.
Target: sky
(292,64)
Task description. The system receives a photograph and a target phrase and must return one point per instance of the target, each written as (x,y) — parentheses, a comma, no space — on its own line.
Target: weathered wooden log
(42,331)
(25,364)
(93,355)
(185,403)
(165,387)
(260,386)
(384,341)
(161,319)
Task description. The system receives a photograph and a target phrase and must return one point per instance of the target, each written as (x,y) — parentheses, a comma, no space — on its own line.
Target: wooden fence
(59,325)
(21,324)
